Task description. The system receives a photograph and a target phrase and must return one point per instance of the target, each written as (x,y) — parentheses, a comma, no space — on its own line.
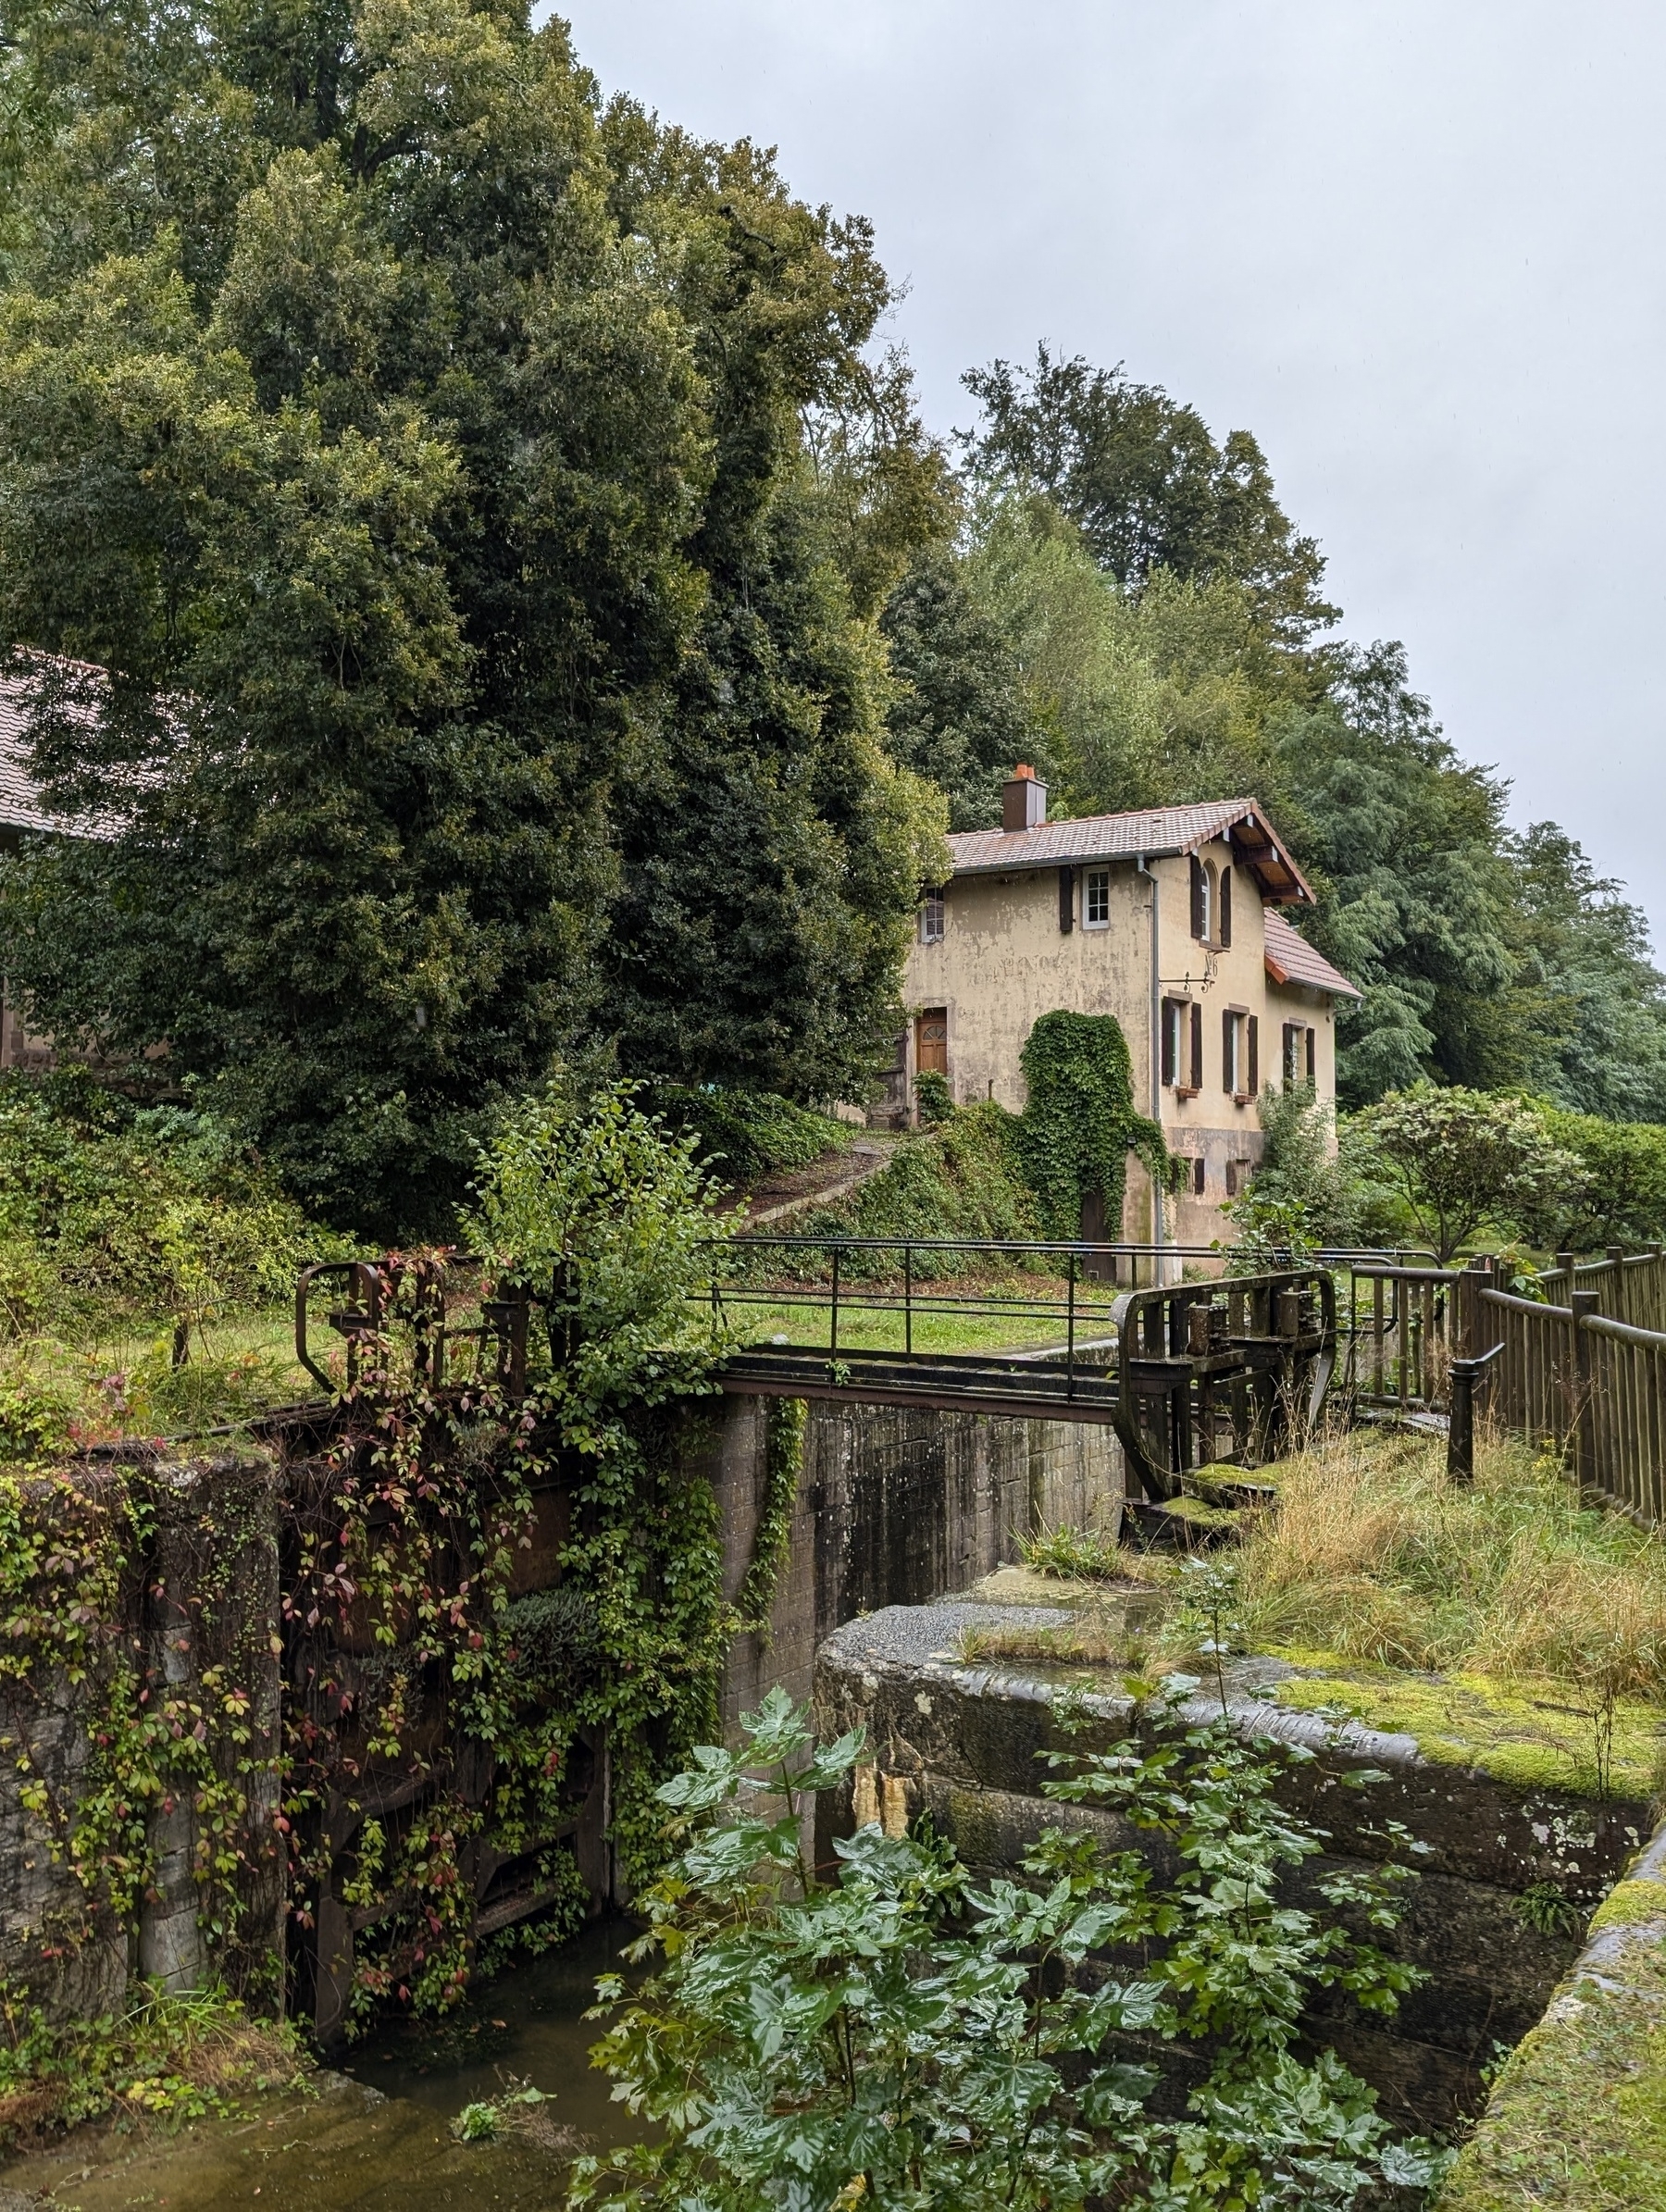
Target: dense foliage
(1619,1196)
(117,1220)
(745,1134)
(1079,1122)
(900,2037)
(1128,607)
(1459,1161)
(477,497)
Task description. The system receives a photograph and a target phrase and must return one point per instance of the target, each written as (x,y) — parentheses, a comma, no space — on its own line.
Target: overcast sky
(1415,247)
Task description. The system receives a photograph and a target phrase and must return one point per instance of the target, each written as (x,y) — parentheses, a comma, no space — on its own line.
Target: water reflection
(378,2138)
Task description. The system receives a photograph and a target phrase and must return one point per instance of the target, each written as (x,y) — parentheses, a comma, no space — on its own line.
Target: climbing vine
(483,1572)
(423,1673)
(125,1591)
(1080,1123)
(784,1461)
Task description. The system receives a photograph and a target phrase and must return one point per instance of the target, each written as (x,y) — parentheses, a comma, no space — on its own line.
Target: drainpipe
(1156,1049)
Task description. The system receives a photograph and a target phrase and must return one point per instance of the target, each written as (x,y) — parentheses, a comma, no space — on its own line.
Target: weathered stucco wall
(968,1742)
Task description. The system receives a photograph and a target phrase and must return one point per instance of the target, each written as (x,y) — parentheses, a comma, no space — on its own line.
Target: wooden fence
(1581,1369)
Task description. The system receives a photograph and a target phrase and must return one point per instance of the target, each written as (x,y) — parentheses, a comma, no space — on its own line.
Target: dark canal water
(377,2136)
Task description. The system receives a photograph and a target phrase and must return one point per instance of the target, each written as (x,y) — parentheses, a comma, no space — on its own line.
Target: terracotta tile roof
(22,806)
(1290,959)
(1156,831)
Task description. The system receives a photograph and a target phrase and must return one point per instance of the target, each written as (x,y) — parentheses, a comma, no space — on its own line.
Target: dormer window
(931,918)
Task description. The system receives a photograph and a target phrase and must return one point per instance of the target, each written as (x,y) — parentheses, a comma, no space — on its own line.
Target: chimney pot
(1022,800)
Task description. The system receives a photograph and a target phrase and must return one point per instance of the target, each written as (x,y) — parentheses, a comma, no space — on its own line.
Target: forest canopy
(459,508)
(486,591)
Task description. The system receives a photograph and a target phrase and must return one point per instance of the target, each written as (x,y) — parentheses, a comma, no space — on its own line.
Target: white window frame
(933,918)
(1237,1041)
(1096,891)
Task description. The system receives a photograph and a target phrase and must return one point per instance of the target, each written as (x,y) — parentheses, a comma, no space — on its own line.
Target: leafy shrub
(609,1220)
(886,2039)
(1301,1197)
(1620,1196)
(1459,1161)
(34,1424)
(743,1134)
(964,1179)
(108,1212)
(933,1098)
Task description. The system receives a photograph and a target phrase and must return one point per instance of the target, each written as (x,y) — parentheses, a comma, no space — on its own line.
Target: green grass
(123,1382)
(975,1328)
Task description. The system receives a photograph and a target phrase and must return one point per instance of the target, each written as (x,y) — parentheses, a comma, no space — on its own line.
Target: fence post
(1618,1304)
(1584,1304)
(1471,1283)
(1461,1423)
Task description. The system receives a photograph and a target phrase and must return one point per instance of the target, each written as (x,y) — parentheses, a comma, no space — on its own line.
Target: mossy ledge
(1532,1734)
(1576,2121)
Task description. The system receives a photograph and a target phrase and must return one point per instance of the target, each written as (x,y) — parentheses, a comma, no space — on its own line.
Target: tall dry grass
(1372,1554)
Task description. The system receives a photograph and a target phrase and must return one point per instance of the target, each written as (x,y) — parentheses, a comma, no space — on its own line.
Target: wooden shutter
(1066,901)
(1227,1070)
(1197,896)
(1197,1045)
(1253,1086)
(1225,922)
(1171,1028)
(1312,1058)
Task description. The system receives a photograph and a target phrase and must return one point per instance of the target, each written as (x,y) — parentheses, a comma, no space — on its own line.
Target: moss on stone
(1527,1735)
(1577,2120)
(1630,1905)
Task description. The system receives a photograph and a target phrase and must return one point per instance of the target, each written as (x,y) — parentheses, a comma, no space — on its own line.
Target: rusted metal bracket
(420,1292)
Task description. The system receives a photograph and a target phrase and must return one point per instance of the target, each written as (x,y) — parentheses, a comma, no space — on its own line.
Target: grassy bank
(1501,1625)
(163,2058)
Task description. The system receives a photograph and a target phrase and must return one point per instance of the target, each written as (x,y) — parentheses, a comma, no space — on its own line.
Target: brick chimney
(1022,800)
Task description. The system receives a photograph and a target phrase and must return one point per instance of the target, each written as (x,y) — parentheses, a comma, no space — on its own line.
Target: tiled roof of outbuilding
(22,805)
(1155,832)
(1290,959)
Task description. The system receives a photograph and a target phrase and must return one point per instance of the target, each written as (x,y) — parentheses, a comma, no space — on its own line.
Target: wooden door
(931,1042)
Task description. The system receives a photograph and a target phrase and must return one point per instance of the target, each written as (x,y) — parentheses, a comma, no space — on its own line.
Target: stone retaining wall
(966,1740)
(1577,2120)
(894,1507)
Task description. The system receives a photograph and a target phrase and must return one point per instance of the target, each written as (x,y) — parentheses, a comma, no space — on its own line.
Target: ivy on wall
(125,1600)
(784,1459)
(438,1719)
(1080,1123)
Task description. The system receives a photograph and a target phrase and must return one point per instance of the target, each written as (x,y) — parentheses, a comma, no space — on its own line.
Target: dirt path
(785,1192)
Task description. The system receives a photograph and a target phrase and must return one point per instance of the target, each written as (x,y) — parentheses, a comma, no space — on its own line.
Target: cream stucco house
(1167,919)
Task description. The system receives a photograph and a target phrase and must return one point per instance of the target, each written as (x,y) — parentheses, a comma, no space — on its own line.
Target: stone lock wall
(891,1508)
(199,1598)
(964,1742)
(894,1507)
